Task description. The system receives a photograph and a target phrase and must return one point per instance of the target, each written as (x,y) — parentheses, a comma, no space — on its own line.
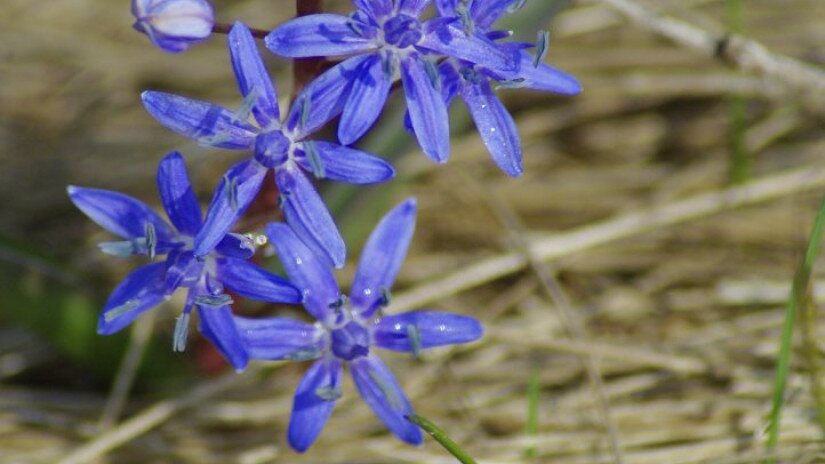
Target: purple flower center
(402,31)
(351,341)
(272,148)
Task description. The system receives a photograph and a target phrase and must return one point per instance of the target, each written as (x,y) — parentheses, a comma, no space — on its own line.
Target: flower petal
(233,195)
(208,124)
(218,326)
(236,246)
(446,8)
(277,338)
(447,37)
(375,9)
(254,282)
(413,7)
(416,330)
(496,126)
(382,393)
(181,268)
(142,289)
(308,216)
(310,273)
(366,100)
(120,214)
(428,112)
(317,35)
(252,76)
(323,99)
(382,257)
(544,77)
(177,196)
(485,12)
(348,165)
(311,410)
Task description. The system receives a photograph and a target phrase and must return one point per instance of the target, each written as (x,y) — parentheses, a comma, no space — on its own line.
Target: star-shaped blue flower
(205,277)
(386,35)
(472,81)
(347,330)
(279,146)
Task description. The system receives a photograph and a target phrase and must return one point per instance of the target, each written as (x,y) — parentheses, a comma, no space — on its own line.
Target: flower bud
(173,25)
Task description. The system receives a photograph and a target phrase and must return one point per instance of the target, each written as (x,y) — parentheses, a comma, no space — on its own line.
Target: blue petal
(425,329)
(428,112)
(182,269)
(277,338)
(252,76)
(485,12)
(218,326)
(382,257)
(323,99)
(204,122)
(348,165)
(236,246)
(120,214)
(310,411)
(446,37)
(310,273)
(382,393)
(544,77)
(177,196)
(413,7)
(317,35)
(366,100)
(235,192)
(446,8)
(496,126)
(254,282)
(142,289)
(375,9)
(307,214)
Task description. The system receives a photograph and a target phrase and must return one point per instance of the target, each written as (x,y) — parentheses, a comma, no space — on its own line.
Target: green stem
(440,436)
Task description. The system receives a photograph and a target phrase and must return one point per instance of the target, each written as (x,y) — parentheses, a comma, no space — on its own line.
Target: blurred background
(666,209)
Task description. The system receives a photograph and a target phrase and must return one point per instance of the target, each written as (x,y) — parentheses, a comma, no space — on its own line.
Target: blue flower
(386,35)
(146,233)
(278,146)
(173,25)
(472,81)
(347,330)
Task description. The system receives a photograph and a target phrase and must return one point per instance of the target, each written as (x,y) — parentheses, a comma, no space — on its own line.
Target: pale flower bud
(174,25)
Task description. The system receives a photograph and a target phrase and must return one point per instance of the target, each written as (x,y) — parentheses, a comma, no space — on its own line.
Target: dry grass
(678,316)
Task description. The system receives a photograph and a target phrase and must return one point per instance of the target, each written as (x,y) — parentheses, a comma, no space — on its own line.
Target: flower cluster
(455,53)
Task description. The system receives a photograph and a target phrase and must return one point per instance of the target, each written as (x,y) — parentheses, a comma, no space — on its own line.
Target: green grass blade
(440,436)
(799,294)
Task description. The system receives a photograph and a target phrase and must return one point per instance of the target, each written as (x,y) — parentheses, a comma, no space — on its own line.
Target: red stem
(304,70)
(223,28)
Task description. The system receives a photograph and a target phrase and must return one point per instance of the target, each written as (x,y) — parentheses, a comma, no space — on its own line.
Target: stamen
(541,48)
(414,334)
(328,393)
(306,104)
(512,84)
(213,301)
(462,10)
(122,249)
(151,240)
(386,297)
(516,6)
(304,354)
(231,191)
(389,393)
(432,73)
(181,333)
(118,311)
(314,159)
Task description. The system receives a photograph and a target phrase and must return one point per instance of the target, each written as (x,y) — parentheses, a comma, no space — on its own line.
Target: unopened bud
(174,25)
